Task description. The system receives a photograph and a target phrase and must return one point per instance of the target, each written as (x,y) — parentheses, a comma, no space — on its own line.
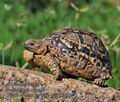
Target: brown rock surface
(40,87)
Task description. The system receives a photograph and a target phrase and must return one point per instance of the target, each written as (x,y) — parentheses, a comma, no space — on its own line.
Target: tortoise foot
(100,82)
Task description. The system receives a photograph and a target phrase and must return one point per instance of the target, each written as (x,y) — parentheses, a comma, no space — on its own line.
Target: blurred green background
(24,19)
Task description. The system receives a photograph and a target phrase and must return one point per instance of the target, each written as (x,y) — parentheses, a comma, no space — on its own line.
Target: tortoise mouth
(29,48)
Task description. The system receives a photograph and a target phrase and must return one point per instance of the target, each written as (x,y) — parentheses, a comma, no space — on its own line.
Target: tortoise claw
(100,82)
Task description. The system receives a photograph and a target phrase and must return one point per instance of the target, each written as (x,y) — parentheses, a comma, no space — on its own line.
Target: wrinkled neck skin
(43,47)
(41,51)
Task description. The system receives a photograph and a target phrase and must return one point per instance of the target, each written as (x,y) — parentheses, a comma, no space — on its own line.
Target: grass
(18,24)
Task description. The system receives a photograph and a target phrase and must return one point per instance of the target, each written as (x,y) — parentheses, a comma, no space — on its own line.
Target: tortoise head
(36,46)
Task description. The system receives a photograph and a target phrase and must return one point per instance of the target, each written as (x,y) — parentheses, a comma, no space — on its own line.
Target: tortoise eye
(31,43)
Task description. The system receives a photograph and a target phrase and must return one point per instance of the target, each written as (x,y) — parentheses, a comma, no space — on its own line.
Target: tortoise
(72,52)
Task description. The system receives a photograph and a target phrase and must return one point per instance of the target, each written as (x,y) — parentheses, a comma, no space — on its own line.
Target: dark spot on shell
(92,55)
(98,64)
(76,64)
(81,38)
(85,50)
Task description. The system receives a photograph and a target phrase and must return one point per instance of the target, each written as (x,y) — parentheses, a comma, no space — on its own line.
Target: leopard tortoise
(73,53)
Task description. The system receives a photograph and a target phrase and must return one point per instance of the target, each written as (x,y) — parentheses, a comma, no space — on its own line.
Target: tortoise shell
(82,50)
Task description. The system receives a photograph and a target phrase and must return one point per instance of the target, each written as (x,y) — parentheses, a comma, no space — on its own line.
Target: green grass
(18,24)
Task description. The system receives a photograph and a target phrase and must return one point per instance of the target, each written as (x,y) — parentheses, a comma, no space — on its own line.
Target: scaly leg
(49,61)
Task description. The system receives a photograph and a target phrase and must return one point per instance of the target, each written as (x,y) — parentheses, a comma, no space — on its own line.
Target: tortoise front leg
(49,61)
